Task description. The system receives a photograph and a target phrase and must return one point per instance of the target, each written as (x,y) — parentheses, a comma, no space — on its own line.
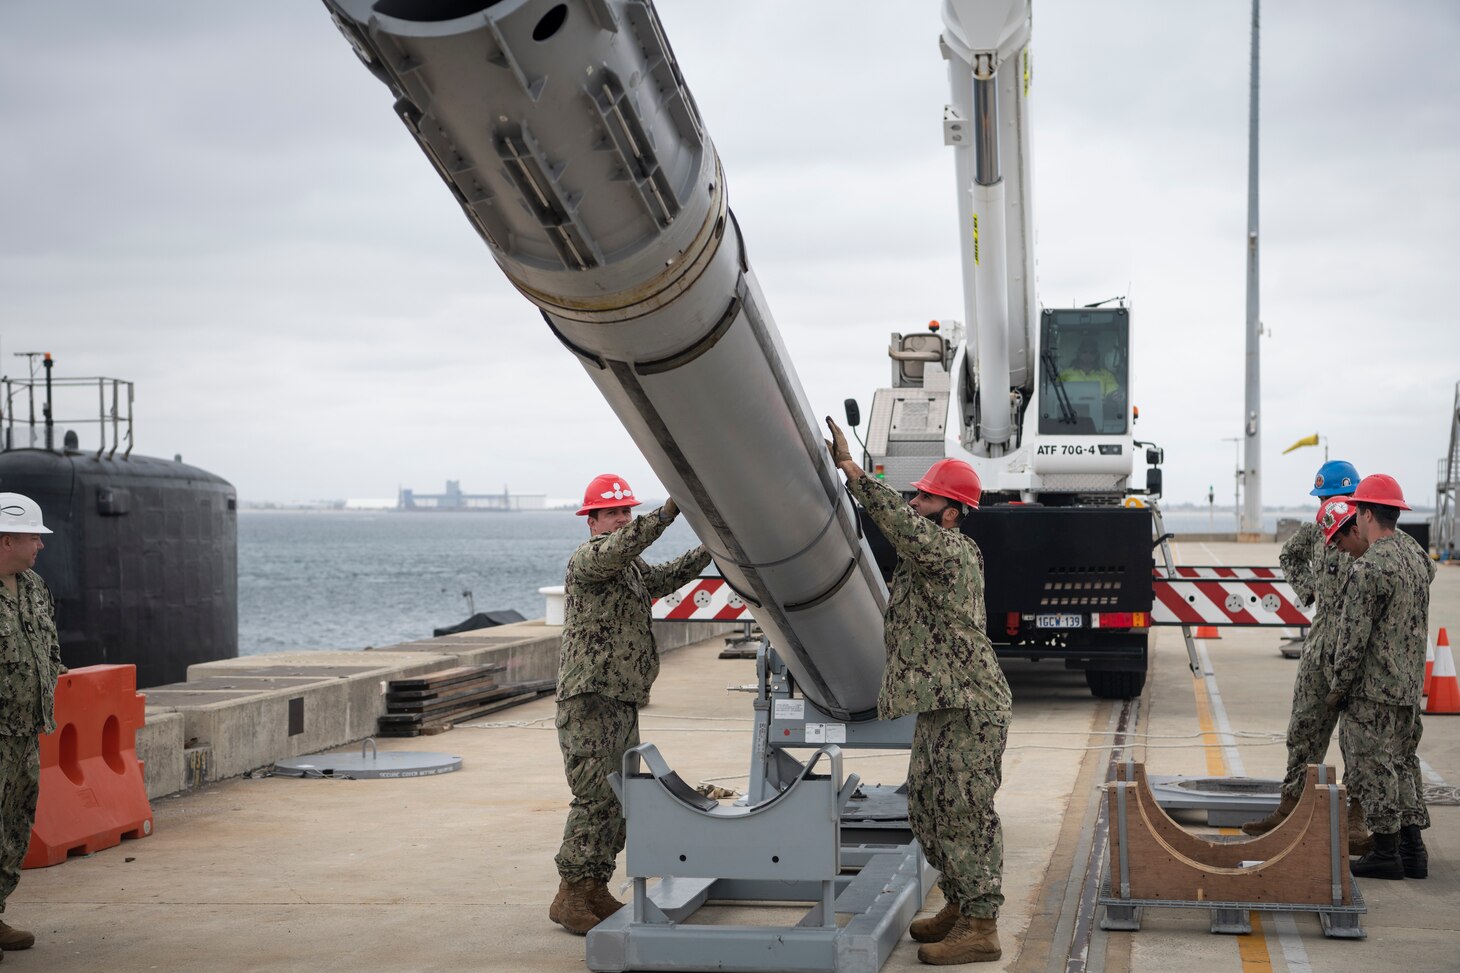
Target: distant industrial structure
(454,499)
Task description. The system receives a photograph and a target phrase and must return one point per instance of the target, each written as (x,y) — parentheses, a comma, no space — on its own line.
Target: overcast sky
(217,202)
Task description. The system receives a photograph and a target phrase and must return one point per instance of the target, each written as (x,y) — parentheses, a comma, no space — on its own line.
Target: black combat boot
(1383,861)
(1412,854)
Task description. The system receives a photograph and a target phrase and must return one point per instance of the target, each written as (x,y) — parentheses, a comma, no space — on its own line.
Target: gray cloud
(219,203)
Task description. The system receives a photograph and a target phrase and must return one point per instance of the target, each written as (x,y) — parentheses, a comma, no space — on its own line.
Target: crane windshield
(1084,371)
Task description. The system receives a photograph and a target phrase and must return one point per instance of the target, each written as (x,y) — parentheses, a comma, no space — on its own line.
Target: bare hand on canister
(841,453)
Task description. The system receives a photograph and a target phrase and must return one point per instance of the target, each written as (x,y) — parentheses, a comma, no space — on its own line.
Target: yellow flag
(1305,441)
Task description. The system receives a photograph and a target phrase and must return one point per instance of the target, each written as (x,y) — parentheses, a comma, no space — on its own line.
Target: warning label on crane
(975,239)
(702,600)
(1225,596)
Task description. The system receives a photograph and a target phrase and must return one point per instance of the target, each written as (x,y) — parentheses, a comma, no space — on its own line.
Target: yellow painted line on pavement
(1251,950)
(1211,744)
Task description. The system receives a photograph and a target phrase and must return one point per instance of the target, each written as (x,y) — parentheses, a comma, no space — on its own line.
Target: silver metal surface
(1121,789)
(1252,415)
(1228,802)
(986,167)
(569,138)
(368,764)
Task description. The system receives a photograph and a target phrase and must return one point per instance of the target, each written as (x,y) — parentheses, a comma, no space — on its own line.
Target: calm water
(347,579)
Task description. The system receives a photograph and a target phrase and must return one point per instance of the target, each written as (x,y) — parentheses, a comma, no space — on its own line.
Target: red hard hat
(606,491)
(952,479)
(1381,489)
(1334,513)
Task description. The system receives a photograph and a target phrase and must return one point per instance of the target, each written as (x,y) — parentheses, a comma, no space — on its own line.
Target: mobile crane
(1035,399)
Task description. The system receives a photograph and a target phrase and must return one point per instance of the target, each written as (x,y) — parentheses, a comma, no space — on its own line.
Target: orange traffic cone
(1430,660)
(1207,632)
(1444,688)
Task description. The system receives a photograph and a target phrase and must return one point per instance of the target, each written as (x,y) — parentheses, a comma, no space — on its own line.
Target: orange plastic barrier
(92,791)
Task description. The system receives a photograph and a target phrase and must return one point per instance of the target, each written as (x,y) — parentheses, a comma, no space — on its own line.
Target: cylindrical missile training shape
(572,143)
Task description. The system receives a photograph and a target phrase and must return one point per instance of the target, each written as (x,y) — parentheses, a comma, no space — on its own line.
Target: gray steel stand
(785,849)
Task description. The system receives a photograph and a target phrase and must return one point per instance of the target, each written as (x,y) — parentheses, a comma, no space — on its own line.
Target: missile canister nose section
(564,130)
(569,138)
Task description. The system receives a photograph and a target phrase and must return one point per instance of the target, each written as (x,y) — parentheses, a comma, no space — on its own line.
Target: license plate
(1059,621)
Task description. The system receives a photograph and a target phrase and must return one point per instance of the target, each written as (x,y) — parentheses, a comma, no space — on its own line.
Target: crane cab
(1081,406)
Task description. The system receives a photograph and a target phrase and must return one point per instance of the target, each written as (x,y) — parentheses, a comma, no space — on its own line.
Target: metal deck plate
(369,764)
(1227,801)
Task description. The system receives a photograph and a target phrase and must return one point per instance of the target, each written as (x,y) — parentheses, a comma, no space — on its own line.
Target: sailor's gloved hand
(1335,701)
(837,445)
(669,511)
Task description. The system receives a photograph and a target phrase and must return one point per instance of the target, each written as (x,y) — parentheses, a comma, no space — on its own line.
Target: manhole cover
(369,764)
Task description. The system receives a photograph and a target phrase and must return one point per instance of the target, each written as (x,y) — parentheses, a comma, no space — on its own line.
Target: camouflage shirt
(1296,560)
(1383,624)
(938,652)
(30,657)
(608,647)
(1317,571)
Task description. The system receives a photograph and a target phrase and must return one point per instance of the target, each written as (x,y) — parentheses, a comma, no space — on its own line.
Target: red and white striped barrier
(1197,596)
(1223,573)
(702,600)
(1226,596)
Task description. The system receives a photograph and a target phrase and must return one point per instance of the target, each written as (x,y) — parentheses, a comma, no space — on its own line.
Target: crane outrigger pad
(784,850)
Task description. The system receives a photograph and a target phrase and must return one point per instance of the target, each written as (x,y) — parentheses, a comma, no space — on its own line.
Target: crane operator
(1087,368)
(941,666)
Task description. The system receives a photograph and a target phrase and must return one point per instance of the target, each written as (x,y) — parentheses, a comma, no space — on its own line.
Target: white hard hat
(20,514)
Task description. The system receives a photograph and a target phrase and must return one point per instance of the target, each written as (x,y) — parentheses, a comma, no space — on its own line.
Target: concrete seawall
(237,715)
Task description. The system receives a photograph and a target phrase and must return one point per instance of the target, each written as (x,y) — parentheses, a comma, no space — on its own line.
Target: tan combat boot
(1264,825)
(933,929)
(11,938)
(601,900)
(969,941)
(571,909)
(1360,842)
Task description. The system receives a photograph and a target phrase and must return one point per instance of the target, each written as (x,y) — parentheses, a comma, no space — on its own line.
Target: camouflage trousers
(593,733)
(955,770)
(1310,728)
(20,783)
(1376,739)
(1412,807)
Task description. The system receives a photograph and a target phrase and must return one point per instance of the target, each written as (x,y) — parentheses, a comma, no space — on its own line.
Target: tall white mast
(1251,522)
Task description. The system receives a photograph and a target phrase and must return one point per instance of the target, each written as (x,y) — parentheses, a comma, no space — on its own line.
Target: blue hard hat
(1335,478)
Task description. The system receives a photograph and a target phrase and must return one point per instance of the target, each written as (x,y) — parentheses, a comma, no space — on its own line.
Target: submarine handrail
(573,145)
(13,387)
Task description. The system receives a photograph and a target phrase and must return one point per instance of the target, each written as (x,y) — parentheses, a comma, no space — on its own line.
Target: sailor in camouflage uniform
(30,663)
(941,666)
(1376,678)
(607,665)
(1316,571)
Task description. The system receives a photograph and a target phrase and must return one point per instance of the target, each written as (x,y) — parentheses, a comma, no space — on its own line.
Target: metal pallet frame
(703,851)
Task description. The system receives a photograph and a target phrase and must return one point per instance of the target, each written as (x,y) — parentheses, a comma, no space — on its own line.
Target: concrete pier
(237,715)
(455,872)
